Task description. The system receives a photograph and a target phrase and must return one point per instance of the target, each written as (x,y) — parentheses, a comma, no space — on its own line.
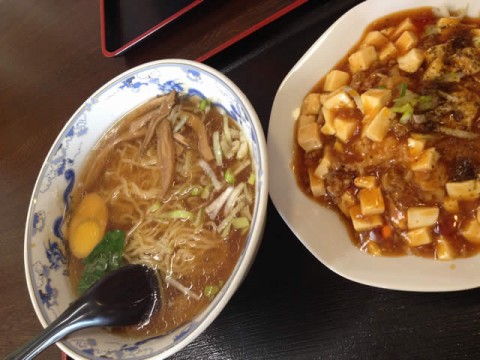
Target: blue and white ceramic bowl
(45,255)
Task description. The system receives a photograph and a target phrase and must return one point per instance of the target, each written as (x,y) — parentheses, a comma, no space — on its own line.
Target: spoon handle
(73,319)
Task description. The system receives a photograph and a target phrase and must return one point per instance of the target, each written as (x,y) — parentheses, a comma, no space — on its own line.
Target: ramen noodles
(171,186)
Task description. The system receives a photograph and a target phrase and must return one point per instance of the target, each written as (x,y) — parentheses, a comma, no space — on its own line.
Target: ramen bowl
(321,230)
(45,245)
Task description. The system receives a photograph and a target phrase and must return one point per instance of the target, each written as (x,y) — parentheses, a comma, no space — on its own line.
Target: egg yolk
(87,225)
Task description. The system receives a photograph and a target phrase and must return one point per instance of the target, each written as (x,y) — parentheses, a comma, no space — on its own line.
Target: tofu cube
(364,222)
(443,250)
(451,205)
(362,59)
(411,61)
(421,216)
(309,137)
(407,41)
(338,146)
(305,120)
(436,52)
(415,146)
(379,126)
(375,99)
(311,104)
(371,201)
(336,79)
(388,32)
(373,248)
(347,200)
(434,70)
(475,32)
(338,99)
(375,38)
(317,185)
(324,97)
(365,182)
(471,231)
(447,24)
(405,25)
(419,237)
(426,161)
(323,166)
(344,128)
(475,37)
(328,115)
(387,52)
(463,190)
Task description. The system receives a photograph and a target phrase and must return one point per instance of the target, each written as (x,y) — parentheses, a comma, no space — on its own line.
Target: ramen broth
(192,243)
(389,138)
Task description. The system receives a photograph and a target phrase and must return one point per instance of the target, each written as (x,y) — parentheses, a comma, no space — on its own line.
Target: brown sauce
(388,160)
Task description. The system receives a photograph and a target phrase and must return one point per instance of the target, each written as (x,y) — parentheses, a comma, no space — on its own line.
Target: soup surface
(174,178)
(389,138)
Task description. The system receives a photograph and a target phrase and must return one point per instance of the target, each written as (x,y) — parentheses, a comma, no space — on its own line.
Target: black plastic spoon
(126,296)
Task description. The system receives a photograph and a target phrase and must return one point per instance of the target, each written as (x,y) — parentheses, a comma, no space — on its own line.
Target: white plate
(319,229)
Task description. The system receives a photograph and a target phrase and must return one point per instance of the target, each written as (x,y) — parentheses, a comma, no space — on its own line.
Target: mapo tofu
(389,138)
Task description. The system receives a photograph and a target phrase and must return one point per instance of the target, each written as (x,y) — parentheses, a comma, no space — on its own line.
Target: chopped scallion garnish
(226,230)
(203,104)
(196,191)
(426,102)
(154,207)
(251,179)
(240,223)
(198,218)
(178,214)
(211,290)
(403,89)
(406,110)
(229,177)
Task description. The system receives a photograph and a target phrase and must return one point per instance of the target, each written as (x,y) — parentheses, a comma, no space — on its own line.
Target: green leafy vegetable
(105,257)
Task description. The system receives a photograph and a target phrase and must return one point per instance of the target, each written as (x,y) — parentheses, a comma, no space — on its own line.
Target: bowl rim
(247,257)
(372,270)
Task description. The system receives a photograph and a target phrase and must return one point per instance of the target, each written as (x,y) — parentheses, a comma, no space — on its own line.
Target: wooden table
(290,306)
